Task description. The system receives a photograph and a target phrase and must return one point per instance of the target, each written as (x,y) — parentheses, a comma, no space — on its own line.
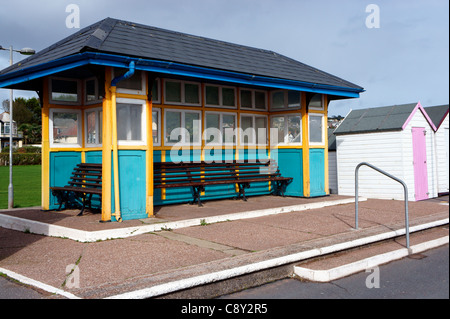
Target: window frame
(183,125)
(286,129)
(182,93)
(254,142)
(143,103)
(97,111)
(318,108)
(222,143)
(158,88)
(322,143)
(58,102)
(141,91)
(158,110)
(220,105)
(253,107)
(285,101)
(79,143)
(98,99)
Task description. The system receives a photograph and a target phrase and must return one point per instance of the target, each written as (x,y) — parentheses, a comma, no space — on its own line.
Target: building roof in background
(437,113)
(118,37)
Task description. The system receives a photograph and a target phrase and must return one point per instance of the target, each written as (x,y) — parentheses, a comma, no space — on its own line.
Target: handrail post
(405,189)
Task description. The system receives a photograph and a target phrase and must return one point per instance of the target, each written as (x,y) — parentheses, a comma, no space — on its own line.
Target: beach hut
(398,139)
(136,95)
(439,115)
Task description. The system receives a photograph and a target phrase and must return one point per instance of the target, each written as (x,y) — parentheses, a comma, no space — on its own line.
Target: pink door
(420,163)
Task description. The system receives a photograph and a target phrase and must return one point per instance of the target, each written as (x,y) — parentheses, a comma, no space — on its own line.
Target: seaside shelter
(136,95)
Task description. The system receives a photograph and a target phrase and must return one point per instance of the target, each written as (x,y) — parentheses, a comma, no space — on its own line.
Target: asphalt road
(422,276)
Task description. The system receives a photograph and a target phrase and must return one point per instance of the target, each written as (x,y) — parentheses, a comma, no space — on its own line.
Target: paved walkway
(219,248)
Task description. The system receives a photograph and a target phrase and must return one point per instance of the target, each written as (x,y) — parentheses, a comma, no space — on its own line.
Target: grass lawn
(26,183)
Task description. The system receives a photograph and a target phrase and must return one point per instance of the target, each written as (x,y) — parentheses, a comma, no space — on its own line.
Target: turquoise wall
(317,172)
(290,163)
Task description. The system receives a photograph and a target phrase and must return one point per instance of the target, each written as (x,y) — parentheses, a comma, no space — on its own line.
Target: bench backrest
(172,173)
(86,175)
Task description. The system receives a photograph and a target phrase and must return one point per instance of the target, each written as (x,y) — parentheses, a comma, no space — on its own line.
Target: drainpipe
(114,82)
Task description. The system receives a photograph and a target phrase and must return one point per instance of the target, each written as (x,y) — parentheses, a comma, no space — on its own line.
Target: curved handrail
(405,188)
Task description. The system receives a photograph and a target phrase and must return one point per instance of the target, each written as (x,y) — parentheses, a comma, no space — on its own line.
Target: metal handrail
(392,177)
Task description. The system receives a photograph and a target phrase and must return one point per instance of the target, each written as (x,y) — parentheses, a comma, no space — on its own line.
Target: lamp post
(24,51)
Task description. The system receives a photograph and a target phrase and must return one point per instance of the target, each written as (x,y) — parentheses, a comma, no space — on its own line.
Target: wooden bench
(85,181)
(199,175)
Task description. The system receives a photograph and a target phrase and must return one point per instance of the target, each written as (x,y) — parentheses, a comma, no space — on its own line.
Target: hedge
(21,159)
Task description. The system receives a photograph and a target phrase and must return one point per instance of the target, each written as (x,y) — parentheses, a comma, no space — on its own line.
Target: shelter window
(156,97)
(135,84)
(65,91)
(316,102)
(316,129)
(285,100)
(253,99)
(181,92)
(220,128)
(182,127)
(253,129)
(91,95)
(131,122)
(288,129)
(65,128)
(220,96)
(156,126)
(94,127)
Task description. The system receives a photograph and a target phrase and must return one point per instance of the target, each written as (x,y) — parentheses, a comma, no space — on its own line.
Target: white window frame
(319,108)
(79,128)
(97,112)
(182,93)
(254,142)
(158,87)
(143,103)
(322,143)
(158,110)
(221,114)
(97,97)
(58,102)
(286,101)
(183,141)
(286,130)
(220,105)
(253,92)
(141,91)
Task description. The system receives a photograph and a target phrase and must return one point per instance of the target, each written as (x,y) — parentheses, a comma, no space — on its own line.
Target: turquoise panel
(132,188)
(317,172)
(94,157)
(61,167)
(290,163)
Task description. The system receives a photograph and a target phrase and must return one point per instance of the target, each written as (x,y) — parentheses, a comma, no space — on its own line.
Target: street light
(24,51)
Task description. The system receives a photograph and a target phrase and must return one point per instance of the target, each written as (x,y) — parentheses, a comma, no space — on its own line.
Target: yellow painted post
(305,144)
(115,154)
(106,150)
(45,168)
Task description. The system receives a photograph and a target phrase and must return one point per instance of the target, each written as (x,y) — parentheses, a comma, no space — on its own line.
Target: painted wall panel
(290,163)
(317,172)
(61,167)
(132,188)
(442,150)
(332,172)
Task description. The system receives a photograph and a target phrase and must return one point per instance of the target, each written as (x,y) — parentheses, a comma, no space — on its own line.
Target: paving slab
(164,263)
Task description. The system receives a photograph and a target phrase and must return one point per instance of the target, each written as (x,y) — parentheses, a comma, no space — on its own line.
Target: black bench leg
(242,187)
(83,200)
(197,192)
(61,197)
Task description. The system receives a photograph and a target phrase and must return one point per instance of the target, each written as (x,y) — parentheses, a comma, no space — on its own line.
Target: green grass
(26,184)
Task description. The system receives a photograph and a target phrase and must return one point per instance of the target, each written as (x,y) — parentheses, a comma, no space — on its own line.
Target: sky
(397,50)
